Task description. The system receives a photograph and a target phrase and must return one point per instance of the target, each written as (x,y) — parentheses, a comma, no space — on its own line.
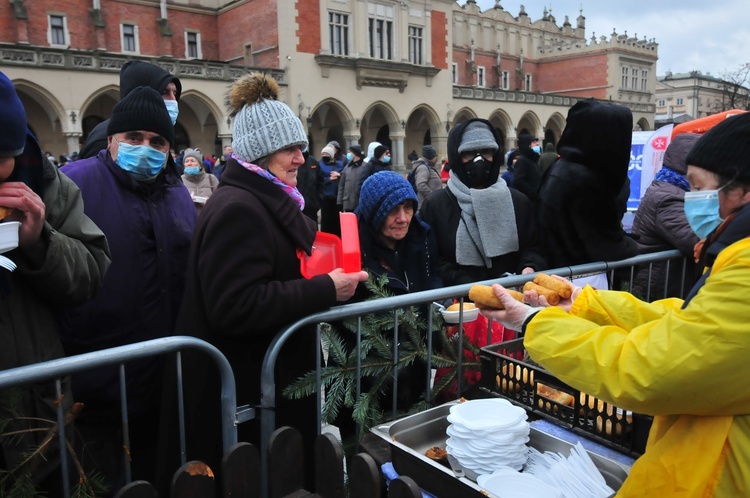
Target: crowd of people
(133,242)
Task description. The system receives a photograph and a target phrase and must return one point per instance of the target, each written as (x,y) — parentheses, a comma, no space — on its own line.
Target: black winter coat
(440,210)
(243,287)
(579,215)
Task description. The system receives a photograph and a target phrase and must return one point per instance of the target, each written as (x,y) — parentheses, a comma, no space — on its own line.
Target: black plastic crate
(507,371)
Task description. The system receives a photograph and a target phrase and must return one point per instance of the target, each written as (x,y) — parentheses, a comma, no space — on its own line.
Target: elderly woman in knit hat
(680,361)
(395,244)
(394,241)
(244,280)
(199,183)
(484,229)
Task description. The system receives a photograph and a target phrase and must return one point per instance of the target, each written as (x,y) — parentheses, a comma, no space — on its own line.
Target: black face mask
(326,159)
(478,171)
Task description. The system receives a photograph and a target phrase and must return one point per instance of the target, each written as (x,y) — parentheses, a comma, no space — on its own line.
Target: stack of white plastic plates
(488,434)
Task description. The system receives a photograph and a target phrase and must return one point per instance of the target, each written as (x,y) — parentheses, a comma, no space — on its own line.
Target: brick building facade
(399,72)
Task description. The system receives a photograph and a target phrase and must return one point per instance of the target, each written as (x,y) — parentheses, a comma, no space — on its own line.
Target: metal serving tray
(412,436)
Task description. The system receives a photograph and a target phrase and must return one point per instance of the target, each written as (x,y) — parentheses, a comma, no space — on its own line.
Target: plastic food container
(330,252)
(9,235)
(471,313)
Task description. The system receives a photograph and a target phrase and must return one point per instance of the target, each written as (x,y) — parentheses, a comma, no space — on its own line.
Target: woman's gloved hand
(515,313)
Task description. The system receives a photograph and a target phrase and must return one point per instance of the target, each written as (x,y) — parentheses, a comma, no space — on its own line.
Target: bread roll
(457,306)
(552,297)
(544,391)
(485,299)
(5,212)
(563,290)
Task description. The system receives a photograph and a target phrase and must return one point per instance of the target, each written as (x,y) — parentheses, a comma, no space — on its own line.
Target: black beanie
(725,149)
(379,151)
(138,73)
(356,149)
(524,140)
(142,109)
(13,124)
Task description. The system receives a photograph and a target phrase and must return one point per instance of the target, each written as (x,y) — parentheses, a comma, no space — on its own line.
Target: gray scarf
(488,223)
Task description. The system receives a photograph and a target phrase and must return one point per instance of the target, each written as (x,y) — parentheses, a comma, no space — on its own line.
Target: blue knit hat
(13,123)
(380,193)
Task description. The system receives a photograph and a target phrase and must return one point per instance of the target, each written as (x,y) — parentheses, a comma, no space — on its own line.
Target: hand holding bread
(550,290)
(485,299)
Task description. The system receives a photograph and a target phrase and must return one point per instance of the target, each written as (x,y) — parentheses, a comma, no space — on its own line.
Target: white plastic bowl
(470,314)
(9,235)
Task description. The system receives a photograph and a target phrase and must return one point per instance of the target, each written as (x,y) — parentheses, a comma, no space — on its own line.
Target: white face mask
(173,109)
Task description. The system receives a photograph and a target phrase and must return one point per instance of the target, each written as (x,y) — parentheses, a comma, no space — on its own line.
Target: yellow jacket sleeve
(655,358)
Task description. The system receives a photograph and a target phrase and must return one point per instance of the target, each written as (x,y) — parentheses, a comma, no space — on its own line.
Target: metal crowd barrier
(393,304)
(232,415)
(57,369)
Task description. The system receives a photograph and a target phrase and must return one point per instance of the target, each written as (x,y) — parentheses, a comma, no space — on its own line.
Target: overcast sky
(711,37)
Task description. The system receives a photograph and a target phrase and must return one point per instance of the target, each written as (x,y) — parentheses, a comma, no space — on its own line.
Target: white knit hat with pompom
(262,124)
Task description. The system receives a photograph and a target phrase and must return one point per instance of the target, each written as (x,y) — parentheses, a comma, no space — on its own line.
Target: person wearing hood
(484,228)
(371,151)
(579,214)
(62,258)
(527,177)
(660,225)
(132,75)
(199,183)
(680,361)
(330,169)
(351,180)
(132,191)
(548,157)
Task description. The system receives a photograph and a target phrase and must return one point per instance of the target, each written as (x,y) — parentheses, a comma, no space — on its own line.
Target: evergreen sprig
(339,376)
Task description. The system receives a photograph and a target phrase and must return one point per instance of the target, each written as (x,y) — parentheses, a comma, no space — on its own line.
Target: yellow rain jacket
(688,368)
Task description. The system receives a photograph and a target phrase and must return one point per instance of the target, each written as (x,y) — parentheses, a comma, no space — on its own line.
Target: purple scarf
(291,191)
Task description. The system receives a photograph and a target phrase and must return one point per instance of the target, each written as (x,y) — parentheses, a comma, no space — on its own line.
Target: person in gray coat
(660,224)
(427,178)
(350,181)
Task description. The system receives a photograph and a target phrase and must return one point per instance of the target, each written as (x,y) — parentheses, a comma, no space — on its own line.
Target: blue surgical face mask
(173,109)
(141,162)
(192,170)
(349,156)
(386,159)
(702,211)
(537,149)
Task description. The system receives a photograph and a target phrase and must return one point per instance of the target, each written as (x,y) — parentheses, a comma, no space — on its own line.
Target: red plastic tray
(330,252)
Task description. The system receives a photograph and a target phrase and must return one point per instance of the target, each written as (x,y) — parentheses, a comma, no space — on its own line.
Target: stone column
(397,152)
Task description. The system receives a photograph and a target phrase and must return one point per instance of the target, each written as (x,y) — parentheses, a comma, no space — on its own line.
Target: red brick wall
(584,71)
(8,23)
(308,26)
(149,35)
(254,22)
(439,39)
(206,24)
(79,23)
